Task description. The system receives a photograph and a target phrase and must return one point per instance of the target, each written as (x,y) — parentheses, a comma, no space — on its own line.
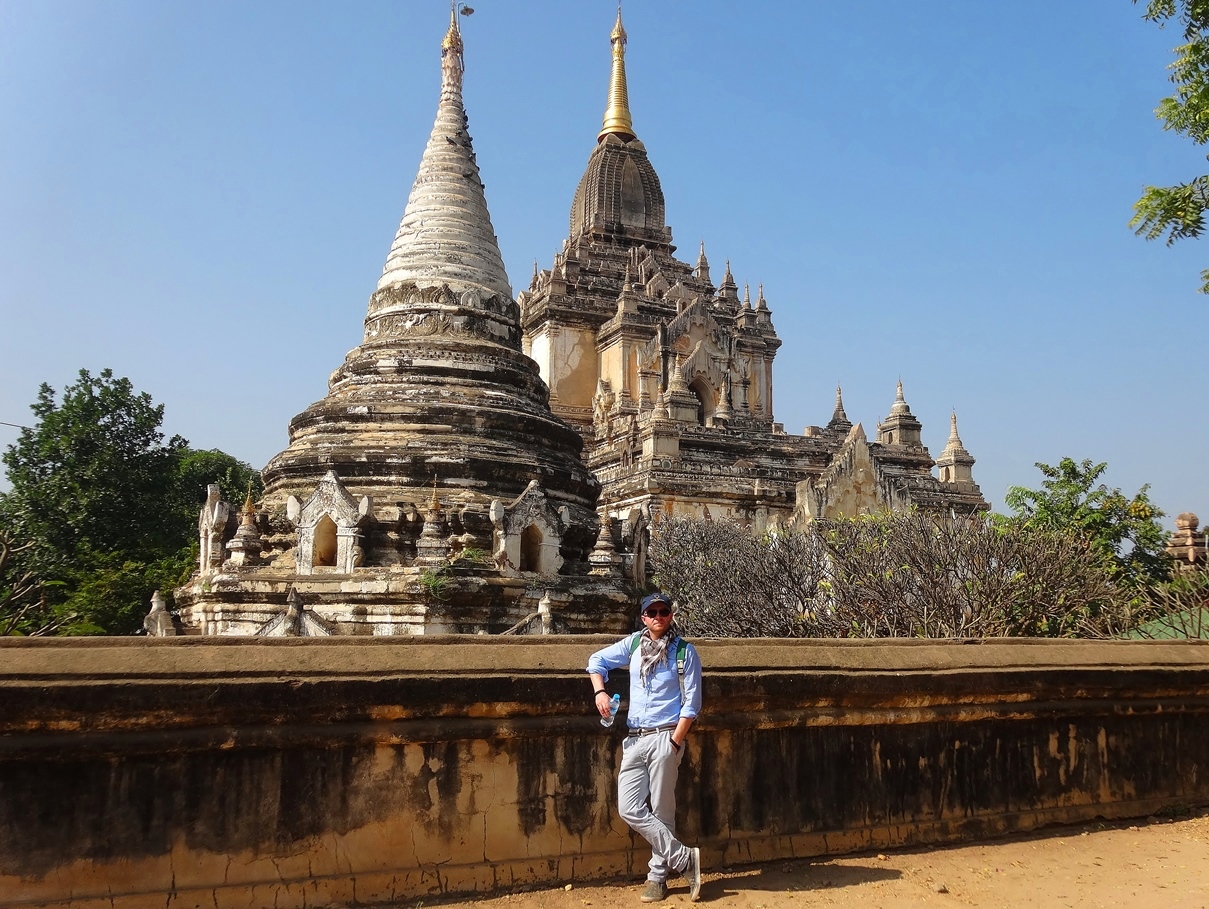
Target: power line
(14,425)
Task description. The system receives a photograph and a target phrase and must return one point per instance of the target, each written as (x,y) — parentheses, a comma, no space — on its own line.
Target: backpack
(681,654)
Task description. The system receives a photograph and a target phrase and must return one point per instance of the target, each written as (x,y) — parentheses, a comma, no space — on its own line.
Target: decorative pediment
(296,621)
(327,523)
(696,322)
(705,363)
(528,533)
(330,499)
(848,487)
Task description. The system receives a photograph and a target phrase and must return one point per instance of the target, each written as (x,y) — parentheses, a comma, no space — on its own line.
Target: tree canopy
(1124,530)
(1179,211)
(103,508)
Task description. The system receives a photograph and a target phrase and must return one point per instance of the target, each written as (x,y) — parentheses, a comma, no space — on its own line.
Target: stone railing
(138,773)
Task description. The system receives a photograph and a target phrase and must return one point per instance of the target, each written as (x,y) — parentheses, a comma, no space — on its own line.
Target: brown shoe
(655,891)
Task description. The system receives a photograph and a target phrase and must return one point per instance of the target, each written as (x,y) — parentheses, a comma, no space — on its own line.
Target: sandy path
(1160,863)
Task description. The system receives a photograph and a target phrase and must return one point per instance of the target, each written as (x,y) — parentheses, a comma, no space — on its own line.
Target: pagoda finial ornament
(900,402)
(617,119)
(838,413)
(452,63)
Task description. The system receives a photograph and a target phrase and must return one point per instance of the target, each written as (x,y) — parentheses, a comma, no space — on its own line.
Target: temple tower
(669,378)
(433,454)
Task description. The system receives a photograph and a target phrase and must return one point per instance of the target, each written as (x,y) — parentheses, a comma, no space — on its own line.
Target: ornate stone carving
(212,529)
(328,526)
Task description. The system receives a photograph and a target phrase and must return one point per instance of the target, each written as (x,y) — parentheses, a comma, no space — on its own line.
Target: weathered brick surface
(334,771)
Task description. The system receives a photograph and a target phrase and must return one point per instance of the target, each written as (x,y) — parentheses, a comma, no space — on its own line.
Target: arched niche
(531,548)
(706,405)
(325,545)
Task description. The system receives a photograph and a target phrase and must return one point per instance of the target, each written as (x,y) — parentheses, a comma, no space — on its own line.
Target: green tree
(1125,531)
(1179,211)
(103,507)
(198,469)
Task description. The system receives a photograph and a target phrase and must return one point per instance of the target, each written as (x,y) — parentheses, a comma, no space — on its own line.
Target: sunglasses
(661,613)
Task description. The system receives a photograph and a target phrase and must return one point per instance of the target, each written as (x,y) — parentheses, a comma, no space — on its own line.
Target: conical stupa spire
(446,236)
(954,438)
(900,403)
(838,415)
(955,462)
(702,269)
(617,120)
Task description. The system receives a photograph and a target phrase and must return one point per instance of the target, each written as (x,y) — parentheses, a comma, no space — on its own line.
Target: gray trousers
(649,768)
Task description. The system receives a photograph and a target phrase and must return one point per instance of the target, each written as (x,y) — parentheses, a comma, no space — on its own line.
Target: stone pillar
(1187,545)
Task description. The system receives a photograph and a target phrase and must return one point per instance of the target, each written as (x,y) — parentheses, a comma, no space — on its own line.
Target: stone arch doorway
(705,401)
(325,545)
(531,548)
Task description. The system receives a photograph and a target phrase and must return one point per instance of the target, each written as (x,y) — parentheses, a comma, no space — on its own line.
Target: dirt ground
(1153,862)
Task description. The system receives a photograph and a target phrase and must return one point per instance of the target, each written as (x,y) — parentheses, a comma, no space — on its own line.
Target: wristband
(600,691)
(673,741)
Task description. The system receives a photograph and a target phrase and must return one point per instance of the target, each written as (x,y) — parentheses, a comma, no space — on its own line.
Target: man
(665,697)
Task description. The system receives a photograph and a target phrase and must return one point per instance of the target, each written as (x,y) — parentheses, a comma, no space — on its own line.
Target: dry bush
(1176,609)
(886,575)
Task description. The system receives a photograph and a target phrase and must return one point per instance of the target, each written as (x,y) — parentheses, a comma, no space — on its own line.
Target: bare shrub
(886,575)
(1178,608)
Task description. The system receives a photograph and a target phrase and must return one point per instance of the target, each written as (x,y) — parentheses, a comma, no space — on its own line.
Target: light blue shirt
(657,702)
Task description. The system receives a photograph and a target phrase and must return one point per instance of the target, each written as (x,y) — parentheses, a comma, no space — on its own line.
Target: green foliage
(435,583)
(198,469)
(24,607)
(1123,531)
(1179,211)
(92,475)
(102,507)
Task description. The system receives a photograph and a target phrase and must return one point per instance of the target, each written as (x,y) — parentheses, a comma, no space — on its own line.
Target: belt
(652,730)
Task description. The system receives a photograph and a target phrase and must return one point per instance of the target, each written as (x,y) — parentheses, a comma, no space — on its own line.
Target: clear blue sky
(201,195)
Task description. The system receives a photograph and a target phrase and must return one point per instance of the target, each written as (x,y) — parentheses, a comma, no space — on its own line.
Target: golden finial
(435,504)
(452,63)
(248,512)
(617,118)
(453,37)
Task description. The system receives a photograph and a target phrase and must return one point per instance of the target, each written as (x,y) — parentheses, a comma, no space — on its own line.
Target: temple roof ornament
(446,236)
(900,403)
(838,415)
(955,452)
(617,119)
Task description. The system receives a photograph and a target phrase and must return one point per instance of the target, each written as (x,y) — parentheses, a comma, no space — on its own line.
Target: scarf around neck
(653,651)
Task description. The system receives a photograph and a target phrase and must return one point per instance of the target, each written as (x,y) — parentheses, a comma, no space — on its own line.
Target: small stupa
(432,489)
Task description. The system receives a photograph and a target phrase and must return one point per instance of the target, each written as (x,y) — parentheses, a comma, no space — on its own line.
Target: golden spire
(453,37)
(452,63)
(617,118)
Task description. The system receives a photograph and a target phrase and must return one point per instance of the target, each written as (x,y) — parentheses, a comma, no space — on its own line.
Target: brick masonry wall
(226,773)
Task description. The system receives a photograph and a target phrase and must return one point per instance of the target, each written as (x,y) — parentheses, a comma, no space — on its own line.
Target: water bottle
(614,705)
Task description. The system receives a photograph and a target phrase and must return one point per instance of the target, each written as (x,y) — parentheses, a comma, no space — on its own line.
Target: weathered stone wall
(186,772)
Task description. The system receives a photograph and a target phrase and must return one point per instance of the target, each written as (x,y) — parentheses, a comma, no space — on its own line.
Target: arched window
(705,401)
(324,548)
(531,548)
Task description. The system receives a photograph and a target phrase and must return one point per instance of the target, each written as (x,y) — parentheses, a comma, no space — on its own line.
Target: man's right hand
(602,704)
